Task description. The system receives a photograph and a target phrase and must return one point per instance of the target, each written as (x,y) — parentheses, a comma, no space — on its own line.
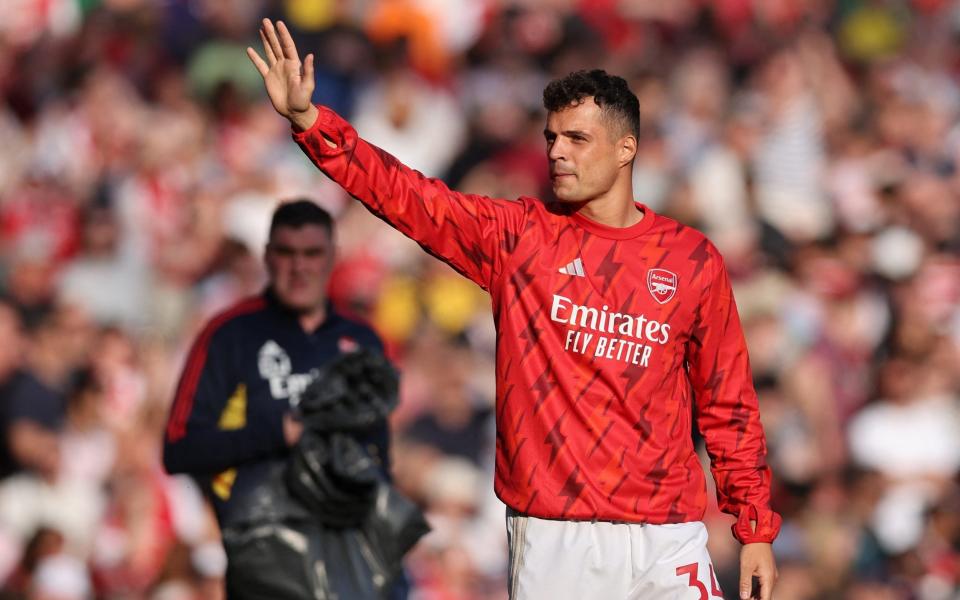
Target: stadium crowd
(815,141)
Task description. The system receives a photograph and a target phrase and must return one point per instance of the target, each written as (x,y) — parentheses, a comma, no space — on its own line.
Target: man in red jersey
(614,326)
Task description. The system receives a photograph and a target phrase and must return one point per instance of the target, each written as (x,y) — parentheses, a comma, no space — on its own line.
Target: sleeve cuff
(328,126)
(768,525)
(299,135)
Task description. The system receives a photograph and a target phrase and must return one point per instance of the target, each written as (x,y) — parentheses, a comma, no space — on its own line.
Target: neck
(616,208)
(312,319)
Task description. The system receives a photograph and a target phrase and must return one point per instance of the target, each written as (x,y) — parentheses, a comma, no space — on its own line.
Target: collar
(332,316)
(618,233)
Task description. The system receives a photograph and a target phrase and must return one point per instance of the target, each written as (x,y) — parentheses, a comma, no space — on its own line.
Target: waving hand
(289,82)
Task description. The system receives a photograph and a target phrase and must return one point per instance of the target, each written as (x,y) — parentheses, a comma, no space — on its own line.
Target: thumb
(308,69)
(746,581)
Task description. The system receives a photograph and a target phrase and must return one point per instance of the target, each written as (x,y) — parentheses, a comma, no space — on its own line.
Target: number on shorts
(714,584)
(692,571)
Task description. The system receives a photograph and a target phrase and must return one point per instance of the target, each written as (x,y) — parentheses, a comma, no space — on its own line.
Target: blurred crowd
(815,141)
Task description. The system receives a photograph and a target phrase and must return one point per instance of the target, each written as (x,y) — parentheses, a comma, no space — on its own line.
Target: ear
(626,149)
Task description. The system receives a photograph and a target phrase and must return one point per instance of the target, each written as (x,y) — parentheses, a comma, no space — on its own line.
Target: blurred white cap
(453,481)
(62,577)
(896,252)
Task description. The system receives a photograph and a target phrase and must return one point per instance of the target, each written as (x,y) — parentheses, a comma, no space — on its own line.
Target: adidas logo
(574,267)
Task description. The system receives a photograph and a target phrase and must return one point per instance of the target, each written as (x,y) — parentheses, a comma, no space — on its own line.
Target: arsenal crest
(662,285)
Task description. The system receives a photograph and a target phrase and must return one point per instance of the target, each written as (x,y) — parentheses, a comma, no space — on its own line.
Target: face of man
(586,151)
(299,261)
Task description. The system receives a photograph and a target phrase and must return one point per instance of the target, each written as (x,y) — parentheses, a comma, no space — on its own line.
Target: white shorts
(597,560)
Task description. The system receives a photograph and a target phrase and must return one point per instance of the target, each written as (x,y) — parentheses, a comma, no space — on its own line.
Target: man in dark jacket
(232,422)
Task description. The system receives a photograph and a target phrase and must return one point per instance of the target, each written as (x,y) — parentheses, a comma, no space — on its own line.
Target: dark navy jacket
(246,369)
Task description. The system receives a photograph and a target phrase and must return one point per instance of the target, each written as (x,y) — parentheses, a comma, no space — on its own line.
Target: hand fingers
(286,42)
(267,49)
(766,586)
(271,34)
(308,69)
(746,581)
(261,66)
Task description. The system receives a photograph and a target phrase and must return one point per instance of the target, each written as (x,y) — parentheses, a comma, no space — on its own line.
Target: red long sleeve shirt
(608,341)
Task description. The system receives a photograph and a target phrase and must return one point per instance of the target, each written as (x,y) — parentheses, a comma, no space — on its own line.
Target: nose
(299,262)
(556,151)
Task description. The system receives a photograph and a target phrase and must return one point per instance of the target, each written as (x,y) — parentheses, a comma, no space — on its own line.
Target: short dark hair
(299,212)
(611,93)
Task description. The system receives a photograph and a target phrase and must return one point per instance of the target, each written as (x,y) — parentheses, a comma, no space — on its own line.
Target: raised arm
(469,232)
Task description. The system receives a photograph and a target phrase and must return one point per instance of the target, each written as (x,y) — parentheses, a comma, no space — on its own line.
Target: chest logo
(574,267)
(275,367)
(273,361)
(346,345)
(662,285)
